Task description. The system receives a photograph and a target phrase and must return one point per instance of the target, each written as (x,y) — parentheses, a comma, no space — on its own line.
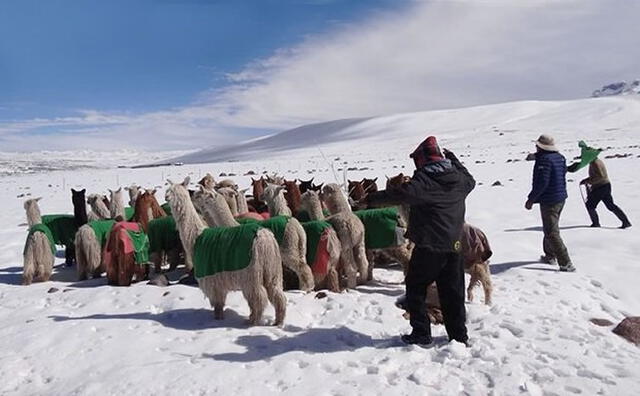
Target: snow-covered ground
(536,338)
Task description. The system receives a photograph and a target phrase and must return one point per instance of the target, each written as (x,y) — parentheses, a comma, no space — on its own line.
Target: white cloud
(432,54)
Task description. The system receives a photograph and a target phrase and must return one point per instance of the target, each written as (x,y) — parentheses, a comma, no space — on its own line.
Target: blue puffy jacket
(549,183)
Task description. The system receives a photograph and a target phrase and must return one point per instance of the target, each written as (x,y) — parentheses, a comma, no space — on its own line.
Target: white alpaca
(134,192)
(310,202)
(88,253)
(99,210)
(231,196)
(226,183)
(117,204)
(353,258)
(38,257)
(259,281)
(294,243)
(241,201)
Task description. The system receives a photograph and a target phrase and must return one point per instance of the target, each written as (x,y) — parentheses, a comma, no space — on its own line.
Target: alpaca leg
(217,301)
(360,256)
(485,280)
(81,262)
(301,269)
(29,265)
(156,259)
(475,277)
(371,258)
(348,268)
(333,283)
(256,296)
(279,301)
(173,257)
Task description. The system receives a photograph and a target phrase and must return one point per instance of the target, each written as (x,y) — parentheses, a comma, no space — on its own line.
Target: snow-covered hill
(618,88)
(87,338)
(487,126)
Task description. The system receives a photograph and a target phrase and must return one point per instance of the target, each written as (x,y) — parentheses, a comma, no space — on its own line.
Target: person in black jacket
(436,195)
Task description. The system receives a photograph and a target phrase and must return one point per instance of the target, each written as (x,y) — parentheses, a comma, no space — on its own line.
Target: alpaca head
(258,187)
(306,185)
(33,211)
(115,196)
(317,187)
(32,204)
(335,198)
(310,200)
(272,191)
(356,190)
(227,183)
(397,181)
(370,185)
(177,191)
(208,181)
(92,198)
(134,192)
(77,198)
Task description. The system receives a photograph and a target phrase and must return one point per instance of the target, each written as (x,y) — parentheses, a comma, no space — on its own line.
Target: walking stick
(584,199)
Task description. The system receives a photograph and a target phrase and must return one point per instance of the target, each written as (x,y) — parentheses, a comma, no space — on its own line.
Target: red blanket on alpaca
(119,254)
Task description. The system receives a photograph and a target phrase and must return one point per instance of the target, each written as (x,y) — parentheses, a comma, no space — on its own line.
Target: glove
(449,155)
(573,167)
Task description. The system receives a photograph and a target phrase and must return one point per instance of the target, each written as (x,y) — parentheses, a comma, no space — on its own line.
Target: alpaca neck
(117,208)
(188,222)
(278,207)
(313,207)
(33,215)
(100,209)
(80,213)
(233,206)
(222,214)
(243,207)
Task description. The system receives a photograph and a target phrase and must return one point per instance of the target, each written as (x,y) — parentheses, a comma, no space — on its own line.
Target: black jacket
(437,205)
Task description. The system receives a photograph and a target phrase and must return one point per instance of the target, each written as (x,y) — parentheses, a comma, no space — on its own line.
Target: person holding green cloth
(598,185)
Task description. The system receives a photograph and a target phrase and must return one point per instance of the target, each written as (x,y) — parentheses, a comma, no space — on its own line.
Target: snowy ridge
(590,117)
(618,88)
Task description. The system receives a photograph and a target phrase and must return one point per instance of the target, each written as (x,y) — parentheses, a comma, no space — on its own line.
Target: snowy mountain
(618,88)
(500,124)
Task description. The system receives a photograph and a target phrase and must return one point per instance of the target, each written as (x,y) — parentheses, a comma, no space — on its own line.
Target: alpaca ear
(154,191)
(38,199)
(73,191)
(84,190)
(375,180)
(110,190)
(280,188)
(127,189)
(170,182)
(186,181)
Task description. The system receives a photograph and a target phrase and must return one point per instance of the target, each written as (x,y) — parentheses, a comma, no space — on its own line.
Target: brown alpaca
(292,195)
(476,253)
(369,185)
(147,208)
(119,261)
(258,189)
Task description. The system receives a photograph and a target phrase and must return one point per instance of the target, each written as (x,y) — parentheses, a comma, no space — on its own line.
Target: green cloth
(140,245)
(379,227)
(276,224)
(63,228)
(247,220)
(163,234)
(102,228)
(167,208)
(314,230)
(223,249)
(129,212)
(44,229)
(587,156)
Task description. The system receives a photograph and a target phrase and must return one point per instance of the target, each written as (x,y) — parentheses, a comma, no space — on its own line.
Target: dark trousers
(603,193)
(552,243)
(446,269)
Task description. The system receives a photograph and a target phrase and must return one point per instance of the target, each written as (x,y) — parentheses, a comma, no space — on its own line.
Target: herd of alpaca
(231,242)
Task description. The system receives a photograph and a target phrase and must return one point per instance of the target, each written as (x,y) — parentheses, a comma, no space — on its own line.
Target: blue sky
(187,74)
(135,56)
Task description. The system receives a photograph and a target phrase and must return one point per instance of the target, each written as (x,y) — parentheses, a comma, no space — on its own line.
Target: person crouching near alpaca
(436,195)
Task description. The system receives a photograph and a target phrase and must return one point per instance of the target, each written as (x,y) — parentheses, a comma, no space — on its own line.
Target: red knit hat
(427,151)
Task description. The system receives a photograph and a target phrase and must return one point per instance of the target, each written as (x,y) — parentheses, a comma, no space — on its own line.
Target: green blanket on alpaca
(276,224)
(44,229)
(304,217)
(314,230)
(379,227)
(167,208)
(63,228)
(129,212)
(587,156)
(222,249)
(163,234)
(101,228)
(140,245)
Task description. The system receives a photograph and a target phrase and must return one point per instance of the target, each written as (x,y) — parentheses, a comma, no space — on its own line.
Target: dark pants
(603,193)
(447,271)
(552,243)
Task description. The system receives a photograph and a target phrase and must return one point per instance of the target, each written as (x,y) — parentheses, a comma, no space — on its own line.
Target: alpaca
(241,202)
(126,253)
(259,281)
(293,247)
(350,230)
(231,196)
(306,185)
(217,214)
(164,243)
(257,190)
(369,185)
(89,241)
(117,204)
(226,183)
(292,196)
(357,195)
(476,253)
(310,202)
(208,181)
(134,192)
(99,211)
(39,250)
(147,208)
(79,207)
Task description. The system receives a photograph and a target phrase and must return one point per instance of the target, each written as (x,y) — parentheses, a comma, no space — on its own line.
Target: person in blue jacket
(550,191)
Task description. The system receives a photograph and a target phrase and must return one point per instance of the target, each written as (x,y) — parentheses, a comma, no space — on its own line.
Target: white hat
(546,142)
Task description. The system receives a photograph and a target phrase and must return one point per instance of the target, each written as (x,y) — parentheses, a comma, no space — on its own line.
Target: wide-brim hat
(546,142)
